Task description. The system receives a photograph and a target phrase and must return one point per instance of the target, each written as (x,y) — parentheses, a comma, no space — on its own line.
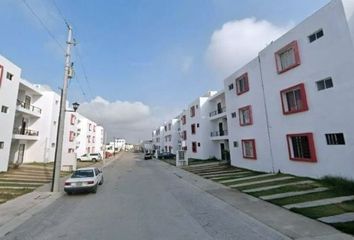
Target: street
(142,200)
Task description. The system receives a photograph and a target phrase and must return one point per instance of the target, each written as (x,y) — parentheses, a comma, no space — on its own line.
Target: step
(231,175)
(259,182)
(206,170)
(255,176)
(276,186)
(219,172)
(321,202)
(341,218)
(236,179)
(22,183)
(6,187)
(221,175)
(292,194)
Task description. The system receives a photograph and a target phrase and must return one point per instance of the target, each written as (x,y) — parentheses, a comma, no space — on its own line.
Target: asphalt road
(141,200)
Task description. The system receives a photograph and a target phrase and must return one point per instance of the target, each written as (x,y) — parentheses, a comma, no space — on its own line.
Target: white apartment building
(85,136)
(10,75)
(171,136)
(219,134)
(99,141)
(196,129)
(158,139)
(307,76)
(69,155)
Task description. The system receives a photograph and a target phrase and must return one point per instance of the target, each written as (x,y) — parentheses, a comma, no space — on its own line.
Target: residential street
(142,200)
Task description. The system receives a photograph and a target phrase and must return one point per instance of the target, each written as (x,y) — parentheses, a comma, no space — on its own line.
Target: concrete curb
(291,225)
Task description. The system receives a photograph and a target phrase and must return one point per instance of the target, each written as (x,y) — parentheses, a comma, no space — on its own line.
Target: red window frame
(89,139)
(249,107)
(72,119)
(184,135)
(293,45)
(304,105)
(93,139)
(311,146)
(193,129)
(1,73)
(89,126)
(243,77)
(183,119)
(253,142)
(194,147)
(192,111)
(71,136)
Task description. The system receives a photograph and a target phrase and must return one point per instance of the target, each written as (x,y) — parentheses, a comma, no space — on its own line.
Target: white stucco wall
(8,95)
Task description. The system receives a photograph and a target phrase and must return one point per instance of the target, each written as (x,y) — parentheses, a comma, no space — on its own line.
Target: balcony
(221,112)
(28,109)
(25,134)
(219,135)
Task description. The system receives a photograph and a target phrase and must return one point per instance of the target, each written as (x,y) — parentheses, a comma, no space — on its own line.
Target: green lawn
(232,176)
(260,178)
(268,184)
(307,197)
(327,210)
(291,188)
(347,227)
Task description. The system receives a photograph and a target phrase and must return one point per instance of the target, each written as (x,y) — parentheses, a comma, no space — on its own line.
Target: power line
(60,12)
(43,24)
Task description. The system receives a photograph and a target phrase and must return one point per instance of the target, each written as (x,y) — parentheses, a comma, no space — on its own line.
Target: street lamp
(75,106)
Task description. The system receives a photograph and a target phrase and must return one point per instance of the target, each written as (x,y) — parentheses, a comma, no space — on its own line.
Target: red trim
(72,119)
(249,107)
(304,104)
(192,111)
(194,147)
(253,142)
(292,45)
(183,119)
(184,135)
(71,136)
(245,78)
(311,147)
(1,73)
(193,129)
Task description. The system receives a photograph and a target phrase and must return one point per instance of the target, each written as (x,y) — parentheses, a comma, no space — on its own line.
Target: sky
(138,63)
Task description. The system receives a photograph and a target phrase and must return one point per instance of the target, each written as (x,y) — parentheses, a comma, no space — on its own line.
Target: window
(192,111)
(54,123)
(53,145)
(196,106)
(93,139)
(72,119)
(71,136)
(233,115)
(70,150)
(193,128)
(4,109)
(89,139)
(301,147)
(235,144)
(249,149)
(165,128)
(194,147)
(169,126)
(231,86)
(314,36)
(1,73)
(287,57)
(9,76)
(245,116)
(2,145)
(242,84)
(293,99)
(197,125)
(335,139)
(94,128)
(89,126)
(199,144)
(184,135)
(183,119)
(324,84)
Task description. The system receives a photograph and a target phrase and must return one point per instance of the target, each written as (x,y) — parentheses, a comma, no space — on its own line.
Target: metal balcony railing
(219,133)
(29,107)
(217,112)
(27,132)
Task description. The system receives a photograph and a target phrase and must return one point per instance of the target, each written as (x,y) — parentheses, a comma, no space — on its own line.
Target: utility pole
(60,136)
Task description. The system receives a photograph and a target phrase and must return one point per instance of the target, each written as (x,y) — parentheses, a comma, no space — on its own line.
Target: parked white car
(84,180)
(90,157)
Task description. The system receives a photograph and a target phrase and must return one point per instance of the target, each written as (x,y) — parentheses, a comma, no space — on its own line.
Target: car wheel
(94,190)
(94,160)
(69,193)
(79,160)
(102,180)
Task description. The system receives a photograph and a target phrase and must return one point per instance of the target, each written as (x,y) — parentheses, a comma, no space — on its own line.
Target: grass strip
(327,210)
(269,184)
(291,188)
(347,227)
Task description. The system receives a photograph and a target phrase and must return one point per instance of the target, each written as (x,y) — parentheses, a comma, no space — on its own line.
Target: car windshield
(83,174)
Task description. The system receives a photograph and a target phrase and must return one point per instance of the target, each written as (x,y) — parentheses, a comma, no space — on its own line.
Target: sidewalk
(16,211)
(288,223)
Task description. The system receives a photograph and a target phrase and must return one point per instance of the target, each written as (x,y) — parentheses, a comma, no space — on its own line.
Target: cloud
(131,120)
(238,42)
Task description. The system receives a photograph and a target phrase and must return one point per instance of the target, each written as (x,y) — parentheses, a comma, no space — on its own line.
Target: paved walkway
(345,217)
(258,189)
(260,182)
(292,194)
